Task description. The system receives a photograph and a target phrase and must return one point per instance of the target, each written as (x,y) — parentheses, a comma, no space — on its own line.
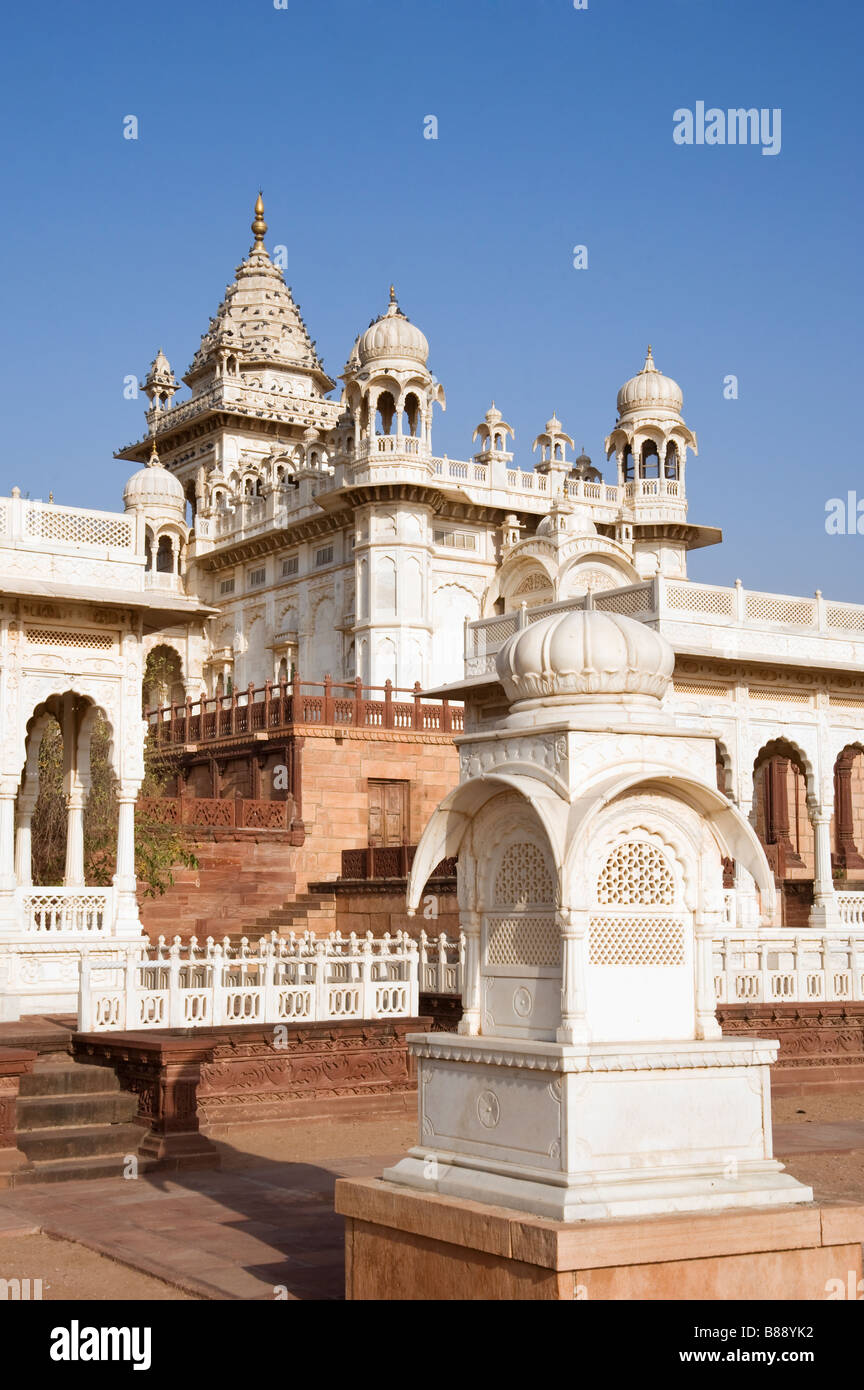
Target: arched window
(629,466)
(671,465)
(165,556)
(650,460)
(386,413)
(499,441)
(148,551)
(412,413)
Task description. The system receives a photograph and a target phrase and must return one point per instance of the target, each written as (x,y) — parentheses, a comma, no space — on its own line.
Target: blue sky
(555,129)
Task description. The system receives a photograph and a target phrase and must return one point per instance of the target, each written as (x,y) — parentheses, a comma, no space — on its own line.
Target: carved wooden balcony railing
(388,861)
(230,813)
(272,708)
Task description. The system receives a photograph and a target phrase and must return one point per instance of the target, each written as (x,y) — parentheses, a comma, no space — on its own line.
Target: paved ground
(263,1228)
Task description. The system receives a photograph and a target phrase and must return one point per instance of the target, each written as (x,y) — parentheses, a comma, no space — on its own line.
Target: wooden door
(388,813)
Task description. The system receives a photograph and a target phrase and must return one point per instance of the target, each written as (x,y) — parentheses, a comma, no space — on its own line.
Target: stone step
(73,1111)
(63,1077)
(79,1141)
(112,1165)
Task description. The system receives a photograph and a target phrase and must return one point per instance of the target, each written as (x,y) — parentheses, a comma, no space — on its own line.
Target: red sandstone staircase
(74,1121)
(314,912)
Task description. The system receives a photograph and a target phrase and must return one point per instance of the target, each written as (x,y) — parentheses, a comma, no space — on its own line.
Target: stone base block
(406,1245)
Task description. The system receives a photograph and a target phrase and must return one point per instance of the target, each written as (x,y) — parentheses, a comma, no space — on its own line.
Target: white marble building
(334,540)
(79,599)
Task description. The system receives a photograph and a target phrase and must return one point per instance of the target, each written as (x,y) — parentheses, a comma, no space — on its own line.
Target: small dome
(650,388)
(392,336)
(154,486)
(585,652)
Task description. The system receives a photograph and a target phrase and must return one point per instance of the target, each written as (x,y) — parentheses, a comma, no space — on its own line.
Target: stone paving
(264,1232)
(263,1227)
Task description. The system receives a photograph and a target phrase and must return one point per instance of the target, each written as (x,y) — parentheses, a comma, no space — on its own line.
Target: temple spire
(259,226)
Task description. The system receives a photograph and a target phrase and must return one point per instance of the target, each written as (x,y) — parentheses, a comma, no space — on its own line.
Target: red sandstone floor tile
(826,1137)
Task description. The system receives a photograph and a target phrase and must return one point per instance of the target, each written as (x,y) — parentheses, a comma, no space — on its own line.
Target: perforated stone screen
(527,940)
(636,874)
(620,940)
(523,877)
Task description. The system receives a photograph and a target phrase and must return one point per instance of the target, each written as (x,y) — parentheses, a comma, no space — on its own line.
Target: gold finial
(154,456)
(259,226)
(50,498)
(392,294)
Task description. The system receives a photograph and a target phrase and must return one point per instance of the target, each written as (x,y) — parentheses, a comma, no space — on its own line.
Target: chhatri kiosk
(589,1128)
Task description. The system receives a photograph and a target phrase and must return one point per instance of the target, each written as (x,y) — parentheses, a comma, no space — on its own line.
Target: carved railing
(277,980)
(230,813)
(65,911)
(273,707)
(388,861)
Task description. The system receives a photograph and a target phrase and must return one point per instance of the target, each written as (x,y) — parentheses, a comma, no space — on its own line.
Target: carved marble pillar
(126,919)
(469,1024)
(573,926)
(23,840)
(825,911)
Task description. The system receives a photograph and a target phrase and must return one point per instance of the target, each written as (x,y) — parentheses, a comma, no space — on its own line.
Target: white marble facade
(331,536)
(79,598)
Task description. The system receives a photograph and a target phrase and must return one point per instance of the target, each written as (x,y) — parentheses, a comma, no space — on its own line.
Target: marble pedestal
(581,1133)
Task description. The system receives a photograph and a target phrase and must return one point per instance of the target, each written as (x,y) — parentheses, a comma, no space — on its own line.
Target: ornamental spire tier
(256,381)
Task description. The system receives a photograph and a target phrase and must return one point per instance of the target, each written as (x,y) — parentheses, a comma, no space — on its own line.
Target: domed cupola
(392,338)
(581,654)
(153,488)
(650,389)
(650,439)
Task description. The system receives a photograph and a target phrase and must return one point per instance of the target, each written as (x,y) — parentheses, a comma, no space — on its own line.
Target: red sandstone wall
(336,774)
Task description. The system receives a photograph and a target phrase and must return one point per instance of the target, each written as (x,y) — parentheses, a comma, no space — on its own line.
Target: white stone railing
(38,524)
(851,906)
(81,912)
(789,967)
(662,600)
(773,967)
(442,959)
(277,980)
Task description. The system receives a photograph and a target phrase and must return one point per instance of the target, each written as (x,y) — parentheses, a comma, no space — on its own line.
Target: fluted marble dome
(154,486)
(392,336)
(650,388)
(585,652)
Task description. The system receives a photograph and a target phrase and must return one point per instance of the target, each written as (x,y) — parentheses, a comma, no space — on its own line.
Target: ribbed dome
(154,486)
(585,652)
(650,388)
(392,336)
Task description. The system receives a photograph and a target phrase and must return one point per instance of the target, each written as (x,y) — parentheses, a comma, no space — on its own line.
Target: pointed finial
(259,226)
(392,294)
(154,460)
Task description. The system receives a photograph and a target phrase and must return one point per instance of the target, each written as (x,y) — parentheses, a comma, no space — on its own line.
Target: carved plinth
(584,1132)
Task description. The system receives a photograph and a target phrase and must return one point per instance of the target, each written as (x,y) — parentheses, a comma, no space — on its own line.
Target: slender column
(825,911)
(573,924)
(469,1024)
(7,837)
(708,925)
(74,873)
(23,845)
(126,920)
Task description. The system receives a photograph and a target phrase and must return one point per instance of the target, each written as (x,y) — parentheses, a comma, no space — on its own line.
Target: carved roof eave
(219,418)
(256,361)
(694,537)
